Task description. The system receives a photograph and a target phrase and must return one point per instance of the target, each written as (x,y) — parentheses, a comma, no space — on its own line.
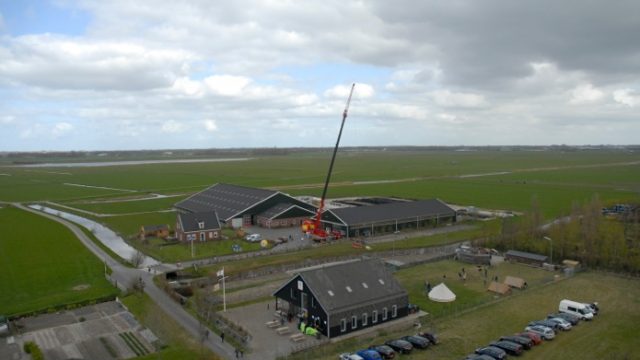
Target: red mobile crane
(314,226)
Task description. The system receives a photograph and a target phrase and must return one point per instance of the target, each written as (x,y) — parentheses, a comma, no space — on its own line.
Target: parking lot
(101,331)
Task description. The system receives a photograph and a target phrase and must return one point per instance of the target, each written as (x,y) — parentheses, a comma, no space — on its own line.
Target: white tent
(441,293)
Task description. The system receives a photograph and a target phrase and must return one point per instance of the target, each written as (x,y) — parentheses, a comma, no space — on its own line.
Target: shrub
(32,348)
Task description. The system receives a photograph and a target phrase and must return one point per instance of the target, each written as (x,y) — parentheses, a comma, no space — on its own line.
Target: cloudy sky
(122,74)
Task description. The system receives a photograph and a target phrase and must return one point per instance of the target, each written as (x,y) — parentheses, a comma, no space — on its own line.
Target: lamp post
(551,242)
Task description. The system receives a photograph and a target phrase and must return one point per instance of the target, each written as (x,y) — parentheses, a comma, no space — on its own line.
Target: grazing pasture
(43,265)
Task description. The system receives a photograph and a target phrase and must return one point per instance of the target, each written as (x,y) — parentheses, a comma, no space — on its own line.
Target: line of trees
(585,235)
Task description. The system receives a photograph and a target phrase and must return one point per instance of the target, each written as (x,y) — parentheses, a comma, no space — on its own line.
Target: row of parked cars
(569,315)
(390,348)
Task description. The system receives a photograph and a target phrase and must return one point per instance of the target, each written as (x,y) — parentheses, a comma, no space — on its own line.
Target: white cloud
(626,97)
(61,128)
(172,126)
(210,125)
(227,85)
(585,93)
(361,91)
(7,119)
(447,98)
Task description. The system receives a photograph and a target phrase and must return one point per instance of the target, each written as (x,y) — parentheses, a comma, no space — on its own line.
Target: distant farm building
(244,206)
(158,231)
(525,257)
(201,226)
(389,217)
(343,298)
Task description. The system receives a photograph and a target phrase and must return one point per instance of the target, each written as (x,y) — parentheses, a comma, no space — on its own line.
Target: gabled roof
(225,199)
(351,284)
(282,208)
(191,221)
(526,255)
(441,293)
(392,211)
(155,227)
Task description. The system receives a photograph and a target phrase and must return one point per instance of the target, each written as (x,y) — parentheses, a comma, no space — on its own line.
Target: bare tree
(137,258)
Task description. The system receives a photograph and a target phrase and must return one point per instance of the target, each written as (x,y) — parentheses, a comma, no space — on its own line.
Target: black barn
(342,298)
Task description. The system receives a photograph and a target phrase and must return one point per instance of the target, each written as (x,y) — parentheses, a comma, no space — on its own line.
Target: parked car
(253,237)
(574,320)
(544,332)
(418,342)
(509,347)
(579,309)
(369,354)
(479,357)
(533,336)
(524,341)
(594,307)
(384,350)
(564,324)
(432,337)
(494,352)
(349,356)
(548,323)
(399,345)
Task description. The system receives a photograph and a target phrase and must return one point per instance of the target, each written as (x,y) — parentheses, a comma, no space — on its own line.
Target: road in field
(463,176)
(124,276)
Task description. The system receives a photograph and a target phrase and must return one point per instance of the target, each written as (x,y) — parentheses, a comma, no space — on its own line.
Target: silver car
(544,332)
(562,323)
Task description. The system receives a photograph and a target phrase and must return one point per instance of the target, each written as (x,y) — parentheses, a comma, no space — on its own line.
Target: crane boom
(317,228)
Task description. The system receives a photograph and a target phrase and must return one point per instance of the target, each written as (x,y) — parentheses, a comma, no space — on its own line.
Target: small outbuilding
(499,288)
(441,293)
(342,298)
(515,282)
(525,257)
(159,231)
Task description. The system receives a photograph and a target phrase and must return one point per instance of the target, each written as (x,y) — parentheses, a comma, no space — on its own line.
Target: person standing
(222,336)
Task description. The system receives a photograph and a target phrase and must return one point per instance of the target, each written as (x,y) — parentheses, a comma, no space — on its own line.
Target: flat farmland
(491,179)
(43,265)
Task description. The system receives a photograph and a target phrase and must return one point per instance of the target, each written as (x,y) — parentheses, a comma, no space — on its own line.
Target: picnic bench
(297,337)
(272,324)
(283,330)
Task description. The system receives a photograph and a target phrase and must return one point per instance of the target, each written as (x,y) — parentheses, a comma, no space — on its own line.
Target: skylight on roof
(364,285)
(381,281)
(348,289)
(330,292)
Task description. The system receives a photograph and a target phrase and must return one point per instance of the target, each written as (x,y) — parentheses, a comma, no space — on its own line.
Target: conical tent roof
(441,293)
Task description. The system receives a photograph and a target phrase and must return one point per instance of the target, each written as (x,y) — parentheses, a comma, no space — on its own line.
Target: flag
(220,273)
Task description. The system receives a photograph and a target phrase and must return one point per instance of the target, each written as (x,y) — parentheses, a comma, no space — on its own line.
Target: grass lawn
(611,335)
(158,248)
(180,345)
(41,262)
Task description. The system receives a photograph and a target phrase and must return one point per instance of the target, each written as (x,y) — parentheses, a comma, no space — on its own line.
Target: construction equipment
(314,226)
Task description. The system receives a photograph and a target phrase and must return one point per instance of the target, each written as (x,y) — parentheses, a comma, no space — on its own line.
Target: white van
(575,308)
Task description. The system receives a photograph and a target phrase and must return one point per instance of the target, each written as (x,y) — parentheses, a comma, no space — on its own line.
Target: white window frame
(365,319)
(384,313)
(343,325)
(354,322)
(394,311)
(374,316)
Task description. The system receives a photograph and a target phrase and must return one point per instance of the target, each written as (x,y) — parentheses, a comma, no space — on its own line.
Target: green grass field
(41,262)
(556,178)
(612,335)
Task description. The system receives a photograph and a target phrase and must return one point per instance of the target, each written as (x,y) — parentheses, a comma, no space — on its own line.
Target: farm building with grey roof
(389,217)
(339,299)
(268,208)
